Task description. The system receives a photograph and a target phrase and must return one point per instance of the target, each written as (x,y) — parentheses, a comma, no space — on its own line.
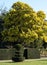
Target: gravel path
(5,60)
(36,59)
(25,60)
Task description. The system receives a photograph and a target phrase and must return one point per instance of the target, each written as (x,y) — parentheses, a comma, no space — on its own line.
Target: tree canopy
(23,24)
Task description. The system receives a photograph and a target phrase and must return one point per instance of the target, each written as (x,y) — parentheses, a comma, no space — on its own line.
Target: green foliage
(24,24)
(18,46)
(32,53)
(18,53)
(6,54)
(1,29)
(41,14)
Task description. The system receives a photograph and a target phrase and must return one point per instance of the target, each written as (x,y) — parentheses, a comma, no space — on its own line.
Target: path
(24,60)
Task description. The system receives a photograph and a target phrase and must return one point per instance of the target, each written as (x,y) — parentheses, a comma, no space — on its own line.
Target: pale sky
(35,4)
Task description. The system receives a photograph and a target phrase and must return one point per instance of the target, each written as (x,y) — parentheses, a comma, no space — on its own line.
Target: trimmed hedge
(6,54)
(18,57)
(31,53)
(18,53)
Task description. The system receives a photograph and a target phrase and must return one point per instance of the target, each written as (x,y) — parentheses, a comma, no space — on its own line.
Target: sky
(35,4)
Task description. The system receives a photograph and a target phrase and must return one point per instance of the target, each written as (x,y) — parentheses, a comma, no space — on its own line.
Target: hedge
(18,57)
(28,53)
(6,54)
(31,53)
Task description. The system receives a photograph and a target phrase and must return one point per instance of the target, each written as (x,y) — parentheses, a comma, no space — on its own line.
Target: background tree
(2,15)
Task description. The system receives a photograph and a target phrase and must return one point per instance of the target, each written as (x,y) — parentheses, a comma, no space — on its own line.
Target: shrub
(32,53)
(18,53)
(6,54)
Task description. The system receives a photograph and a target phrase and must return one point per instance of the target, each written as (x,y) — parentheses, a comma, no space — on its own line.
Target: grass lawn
(36,62)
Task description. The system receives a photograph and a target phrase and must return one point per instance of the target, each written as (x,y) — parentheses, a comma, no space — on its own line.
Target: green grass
(36,62)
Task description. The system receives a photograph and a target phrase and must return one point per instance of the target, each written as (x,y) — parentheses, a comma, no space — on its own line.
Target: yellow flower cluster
(45,38)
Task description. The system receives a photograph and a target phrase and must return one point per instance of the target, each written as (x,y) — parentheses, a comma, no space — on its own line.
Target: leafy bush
(6,54)
(31,53)
(18,53)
